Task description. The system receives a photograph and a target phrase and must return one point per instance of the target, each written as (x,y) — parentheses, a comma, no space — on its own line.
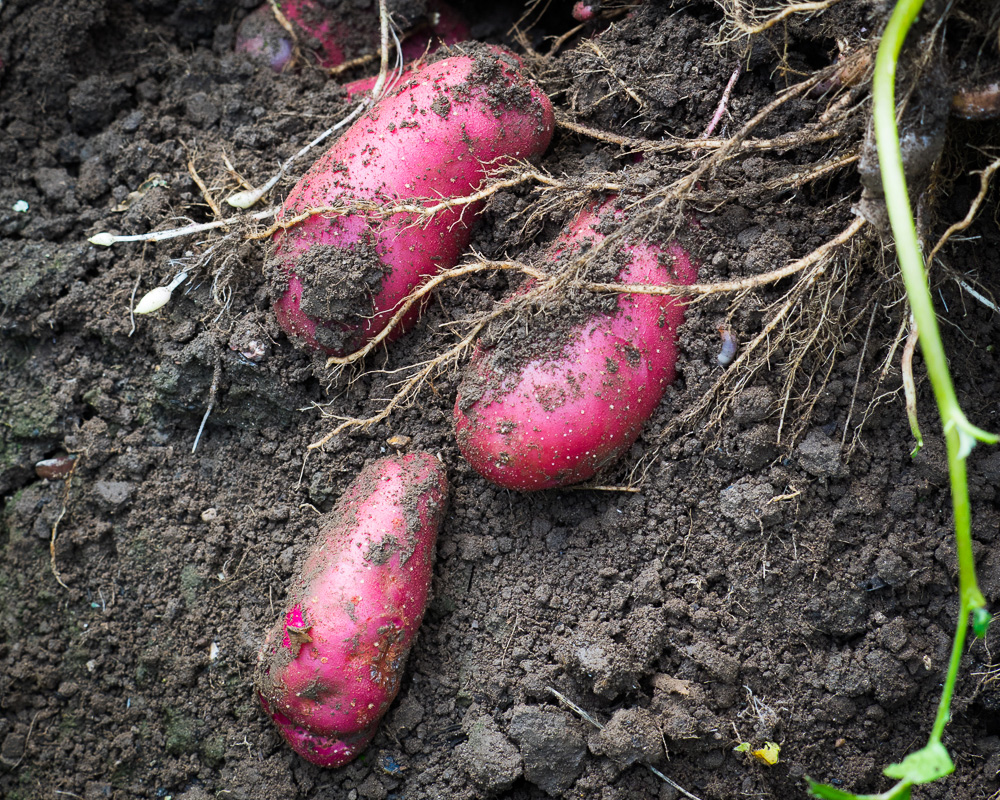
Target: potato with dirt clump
(330,666)
(339,279)
(553,413)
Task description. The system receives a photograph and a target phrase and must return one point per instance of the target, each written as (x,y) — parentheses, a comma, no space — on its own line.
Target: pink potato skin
(261,35)
(447,27)
(330,666)
(434,136)
(561,418)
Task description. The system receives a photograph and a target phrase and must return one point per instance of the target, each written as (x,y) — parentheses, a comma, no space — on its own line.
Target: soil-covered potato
(335,35)
(560,411)
(331,665)
(436,136)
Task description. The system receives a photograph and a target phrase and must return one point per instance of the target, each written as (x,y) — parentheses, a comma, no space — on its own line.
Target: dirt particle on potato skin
(338,284)
(441,106)
(298,636)
(380,552)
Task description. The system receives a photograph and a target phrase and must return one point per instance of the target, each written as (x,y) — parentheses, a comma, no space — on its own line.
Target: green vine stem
(932,761)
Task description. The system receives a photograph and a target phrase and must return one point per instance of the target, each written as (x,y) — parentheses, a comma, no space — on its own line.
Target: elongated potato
(338,280)
(331,665)
(530,415)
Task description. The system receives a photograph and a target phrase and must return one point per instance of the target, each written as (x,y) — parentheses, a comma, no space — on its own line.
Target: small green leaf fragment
(981,619)
(924,765)
(901,791)
(742,747)
(966,442)
(824,792)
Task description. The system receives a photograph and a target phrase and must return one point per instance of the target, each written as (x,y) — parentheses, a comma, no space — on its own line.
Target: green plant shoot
(932,761)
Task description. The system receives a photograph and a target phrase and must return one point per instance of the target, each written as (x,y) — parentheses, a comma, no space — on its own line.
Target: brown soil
(784,573)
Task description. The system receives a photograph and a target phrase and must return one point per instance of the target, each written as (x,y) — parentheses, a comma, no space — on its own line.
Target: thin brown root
(408,388)
(909,387)
(785,141)
(735,142)
(232,171)
(593,46)
(814,261)
(611,13)
(984,185)
(679,190)
(583,487)
(55,525)
(808,176)
(857,376)
(347,66)
(213,392)
(739,18)
(205,193)
(602,136)
(817,262)
(890,357)
(381,210)
(800,349)
(558,43)
(251,196)
(520,26)
(422,291)
(27,738)
(741,285)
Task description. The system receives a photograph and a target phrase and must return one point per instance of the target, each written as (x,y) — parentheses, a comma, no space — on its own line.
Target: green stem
(970,598)
(960,435)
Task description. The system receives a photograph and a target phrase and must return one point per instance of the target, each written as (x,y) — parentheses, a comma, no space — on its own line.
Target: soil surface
(771,567)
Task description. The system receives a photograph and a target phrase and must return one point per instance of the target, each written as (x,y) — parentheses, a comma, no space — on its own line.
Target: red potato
(333,40)
(436,135)
(262,36)
(553,419)
(330,666)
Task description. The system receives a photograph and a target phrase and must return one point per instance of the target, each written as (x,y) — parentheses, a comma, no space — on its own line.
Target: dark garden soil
(782,571)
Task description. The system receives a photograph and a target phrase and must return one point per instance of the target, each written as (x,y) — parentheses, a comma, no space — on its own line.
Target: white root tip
(244,199)
(103,239)
(153,300)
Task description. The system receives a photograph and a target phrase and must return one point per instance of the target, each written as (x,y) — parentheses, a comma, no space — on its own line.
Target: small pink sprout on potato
(584,11)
